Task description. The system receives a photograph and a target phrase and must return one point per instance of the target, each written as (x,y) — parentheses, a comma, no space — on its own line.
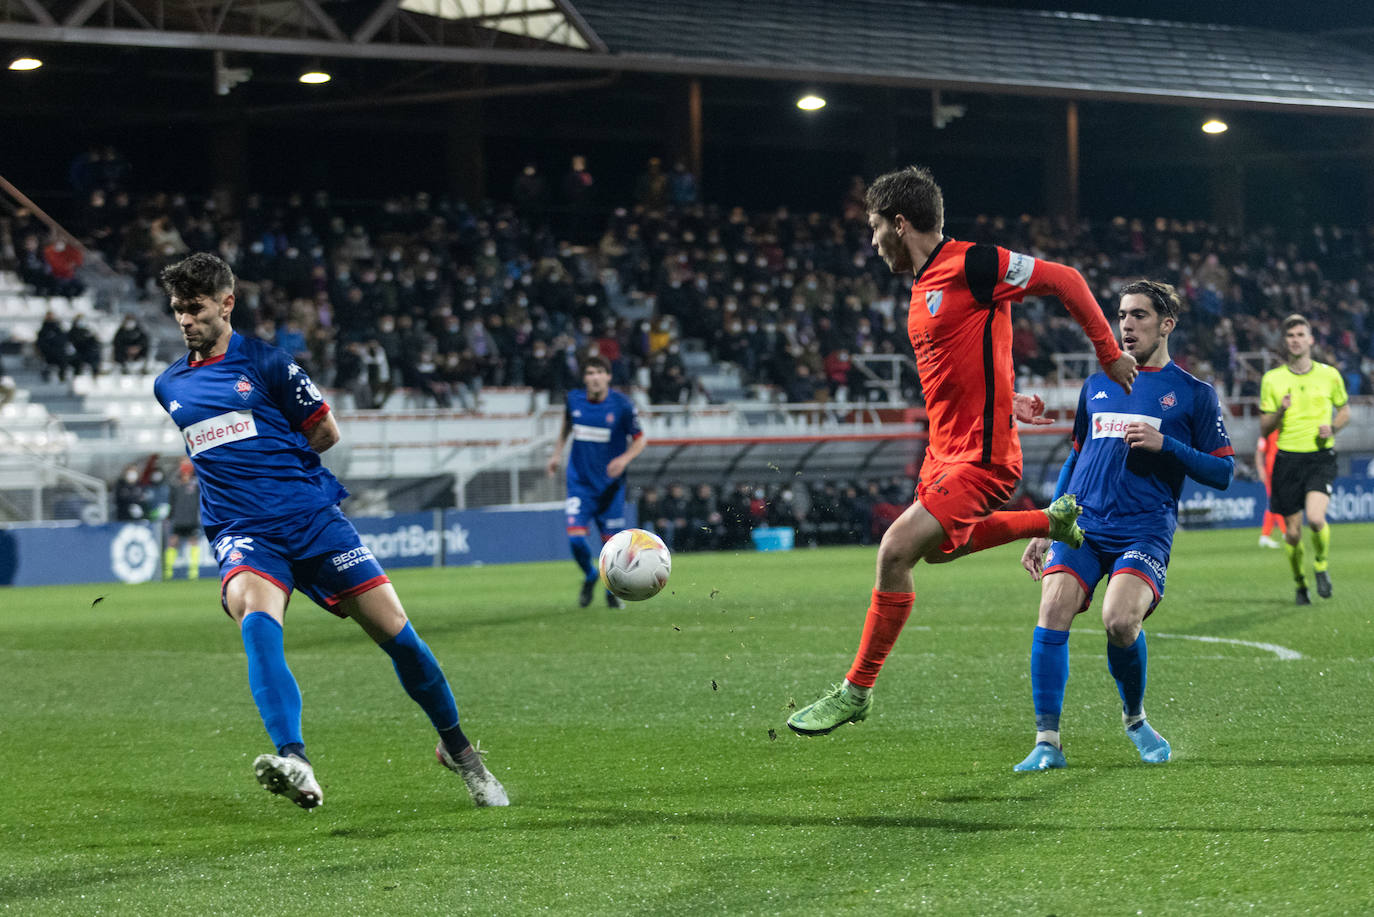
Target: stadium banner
(127,552)
(131,552)
(503,536)
(1244,502)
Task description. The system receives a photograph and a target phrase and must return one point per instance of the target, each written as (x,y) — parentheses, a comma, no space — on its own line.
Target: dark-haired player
(606,437)
(1131,451)
(254,426)
(959,322)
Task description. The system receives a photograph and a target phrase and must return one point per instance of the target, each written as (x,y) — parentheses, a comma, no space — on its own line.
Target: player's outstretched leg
(290,776)
(852,701)
(1063,515)
(482,785)
(424,681)
(841,705)
(278,698)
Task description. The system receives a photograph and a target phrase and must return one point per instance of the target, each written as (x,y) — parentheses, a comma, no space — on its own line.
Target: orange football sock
(1001,528)
(887,615)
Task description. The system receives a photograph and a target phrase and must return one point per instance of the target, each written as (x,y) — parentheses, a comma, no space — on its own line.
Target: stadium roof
(955,46)
(882,42)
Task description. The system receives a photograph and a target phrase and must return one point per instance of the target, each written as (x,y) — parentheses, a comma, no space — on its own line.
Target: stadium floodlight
(314,74)
(810,102)
(1214,126)
(24,62)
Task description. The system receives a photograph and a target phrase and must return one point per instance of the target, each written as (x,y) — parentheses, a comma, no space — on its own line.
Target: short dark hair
(202,274)
(600,363)
(912,192)
(1162,296)
(1294,320)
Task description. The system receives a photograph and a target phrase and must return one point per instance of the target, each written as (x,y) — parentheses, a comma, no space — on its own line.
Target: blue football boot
(1151,745)
(1043,757)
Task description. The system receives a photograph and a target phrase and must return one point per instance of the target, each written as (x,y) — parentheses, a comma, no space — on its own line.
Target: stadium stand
(731,329)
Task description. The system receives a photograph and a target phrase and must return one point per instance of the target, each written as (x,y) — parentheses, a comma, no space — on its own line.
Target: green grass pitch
(648,762)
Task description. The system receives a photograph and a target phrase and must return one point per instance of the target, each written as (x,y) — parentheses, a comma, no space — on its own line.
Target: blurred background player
(1130,454)
(1265,451)
(254,426)
(1305,401)
(959,323)
(183,522)
(606,437)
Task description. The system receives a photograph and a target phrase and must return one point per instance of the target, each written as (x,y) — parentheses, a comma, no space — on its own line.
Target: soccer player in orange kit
(1266,450)
(960,327)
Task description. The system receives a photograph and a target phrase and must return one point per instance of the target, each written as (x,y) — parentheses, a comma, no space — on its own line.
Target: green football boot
(831,711)
(1063,515)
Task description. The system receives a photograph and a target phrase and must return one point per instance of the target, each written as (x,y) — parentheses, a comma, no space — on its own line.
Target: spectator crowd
(438,298)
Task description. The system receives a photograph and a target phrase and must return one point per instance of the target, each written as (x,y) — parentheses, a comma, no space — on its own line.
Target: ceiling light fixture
(314,75)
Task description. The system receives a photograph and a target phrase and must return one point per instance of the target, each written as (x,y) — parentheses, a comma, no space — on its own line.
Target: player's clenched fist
(1122,371)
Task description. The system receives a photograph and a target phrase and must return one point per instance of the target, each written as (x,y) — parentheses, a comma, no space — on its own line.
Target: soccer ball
(635,565)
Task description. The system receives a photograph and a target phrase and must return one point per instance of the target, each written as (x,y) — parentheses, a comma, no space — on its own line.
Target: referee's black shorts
(1296,474)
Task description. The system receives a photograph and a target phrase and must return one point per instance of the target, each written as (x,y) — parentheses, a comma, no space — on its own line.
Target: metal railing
(44,481)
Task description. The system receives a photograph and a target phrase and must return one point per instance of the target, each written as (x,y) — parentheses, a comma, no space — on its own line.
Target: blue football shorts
(1107,554)
(606,508)
(321,556)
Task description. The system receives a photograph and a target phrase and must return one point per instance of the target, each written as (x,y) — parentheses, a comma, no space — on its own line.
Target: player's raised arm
(1054,279)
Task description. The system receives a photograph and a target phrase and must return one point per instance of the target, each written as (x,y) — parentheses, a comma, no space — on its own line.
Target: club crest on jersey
(235,556)
(610,418)
(1168,401)
(933,300)
(243,387)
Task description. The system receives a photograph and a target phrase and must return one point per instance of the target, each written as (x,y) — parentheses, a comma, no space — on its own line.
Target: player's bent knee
(378,612)
(1061,599)
(247,592)
(1121,631)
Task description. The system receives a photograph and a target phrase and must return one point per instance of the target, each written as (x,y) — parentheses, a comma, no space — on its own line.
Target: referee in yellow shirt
(1306,402)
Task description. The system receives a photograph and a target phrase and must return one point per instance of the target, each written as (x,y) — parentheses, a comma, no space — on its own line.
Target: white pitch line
(1282,652)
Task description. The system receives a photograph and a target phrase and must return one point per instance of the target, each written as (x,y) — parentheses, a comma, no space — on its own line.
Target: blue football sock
(1049,675)
(274,687)
(1127,665)
(424,681)
(582,554)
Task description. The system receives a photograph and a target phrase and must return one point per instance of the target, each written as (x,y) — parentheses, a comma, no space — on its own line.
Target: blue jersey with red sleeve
(242,417)
(1127,489)
(601,430)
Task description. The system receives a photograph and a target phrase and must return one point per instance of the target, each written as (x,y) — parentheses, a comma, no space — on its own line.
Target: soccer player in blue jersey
(606,437)
(254,426)
(1130,455)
